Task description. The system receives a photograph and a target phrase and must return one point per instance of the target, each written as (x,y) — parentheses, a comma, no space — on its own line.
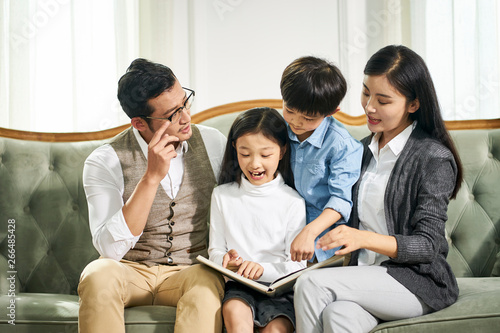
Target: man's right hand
(161,150)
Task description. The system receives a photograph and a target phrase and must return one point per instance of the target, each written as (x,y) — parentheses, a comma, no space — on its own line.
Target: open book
(278,287)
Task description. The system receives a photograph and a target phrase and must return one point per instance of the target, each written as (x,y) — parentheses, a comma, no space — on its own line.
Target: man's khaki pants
(108,286)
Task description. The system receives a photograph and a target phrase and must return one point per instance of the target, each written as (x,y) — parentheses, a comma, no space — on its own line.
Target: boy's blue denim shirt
(326,166)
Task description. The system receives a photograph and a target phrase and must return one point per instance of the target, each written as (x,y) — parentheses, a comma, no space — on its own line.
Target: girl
(410,170)
(255,215)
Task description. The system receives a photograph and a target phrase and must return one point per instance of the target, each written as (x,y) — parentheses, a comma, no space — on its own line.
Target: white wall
(240,48)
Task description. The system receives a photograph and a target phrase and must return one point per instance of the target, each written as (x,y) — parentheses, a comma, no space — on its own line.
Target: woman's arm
(426,227)
(423,235)
(353,239)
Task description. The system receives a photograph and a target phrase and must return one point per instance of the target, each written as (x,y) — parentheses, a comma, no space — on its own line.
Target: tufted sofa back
(474,216)
(41,191)
(42,203)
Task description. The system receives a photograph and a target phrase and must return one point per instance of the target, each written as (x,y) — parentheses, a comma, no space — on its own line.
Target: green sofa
(45,241)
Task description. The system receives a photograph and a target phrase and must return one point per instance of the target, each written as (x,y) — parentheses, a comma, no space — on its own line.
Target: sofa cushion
(476,310)
(35,312)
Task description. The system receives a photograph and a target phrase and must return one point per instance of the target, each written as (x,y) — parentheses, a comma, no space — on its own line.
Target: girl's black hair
(407,72)
(258,120)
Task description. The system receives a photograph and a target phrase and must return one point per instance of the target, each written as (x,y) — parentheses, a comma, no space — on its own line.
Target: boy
(325,158)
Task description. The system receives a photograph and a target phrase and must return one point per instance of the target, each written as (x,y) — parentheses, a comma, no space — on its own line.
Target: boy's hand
(250,270)
(232,260)
(302,247)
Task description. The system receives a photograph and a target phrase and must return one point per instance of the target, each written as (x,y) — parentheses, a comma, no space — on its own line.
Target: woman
(396,238)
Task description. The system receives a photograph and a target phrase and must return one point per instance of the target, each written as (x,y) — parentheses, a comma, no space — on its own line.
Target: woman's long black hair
(258,120)
(407,72)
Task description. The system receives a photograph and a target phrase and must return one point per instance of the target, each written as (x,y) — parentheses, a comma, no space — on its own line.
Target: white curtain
(60,60)
(460,41)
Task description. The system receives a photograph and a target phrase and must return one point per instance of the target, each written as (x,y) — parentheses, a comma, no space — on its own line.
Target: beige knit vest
(176,230)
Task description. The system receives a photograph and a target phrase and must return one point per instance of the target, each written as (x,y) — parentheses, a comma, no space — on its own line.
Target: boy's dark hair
(407,72)
(257,120)
(143,81)
(312,86)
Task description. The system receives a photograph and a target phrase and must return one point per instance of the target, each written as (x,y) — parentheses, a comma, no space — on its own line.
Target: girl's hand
(302,247)
(232,260)
(250,270)
(351,238)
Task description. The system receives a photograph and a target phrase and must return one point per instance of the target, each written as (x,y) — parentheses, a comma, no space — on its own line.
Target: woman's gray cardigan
(416,202)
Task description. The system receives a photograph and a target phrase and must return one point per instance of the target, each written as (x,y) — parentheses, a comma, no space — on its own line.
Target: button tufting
(172,204)
(170,238)
(471,197)
(26,209)
(75,207)
(490,155)
(51,167)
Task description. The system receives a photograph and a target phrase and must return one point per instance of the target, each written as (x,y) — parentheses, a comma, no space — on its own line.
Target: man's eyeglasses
(176,116)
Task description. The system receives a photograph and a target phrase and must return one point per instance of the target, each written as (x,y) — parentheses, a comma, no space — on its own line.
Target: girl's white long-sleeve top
(259,222)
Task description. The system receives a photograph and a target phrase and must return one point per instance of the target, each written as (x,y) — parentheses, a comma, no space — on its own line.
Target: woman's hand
(302,247)
(232,260)
(352,239)
(250,270)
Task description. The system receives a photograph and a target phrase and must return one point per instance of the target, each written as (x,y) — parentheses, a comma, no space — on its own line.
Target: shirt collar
(317,137)
(181,149)
(397,144)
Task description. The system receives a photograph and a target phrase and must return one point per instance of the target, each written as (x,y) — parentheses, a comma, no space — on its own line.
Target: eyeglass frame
(180,109)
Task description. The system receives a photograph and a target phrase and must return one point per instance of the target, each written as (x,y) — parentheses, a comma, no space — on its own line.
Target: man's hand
(250,270)
(161,150)
(302,247)
(232,260)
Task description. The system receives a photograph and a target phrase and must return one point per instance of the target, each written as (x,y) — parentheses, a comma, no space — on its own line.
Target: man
(148,193)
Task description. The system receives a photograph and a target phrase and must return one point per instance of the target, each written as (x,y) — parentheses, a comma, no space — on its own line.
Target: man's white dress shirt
(104,186)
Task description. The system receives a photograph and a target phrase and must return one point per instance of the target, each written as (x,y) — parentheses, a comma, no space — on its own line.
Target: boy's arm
(344,171)
(302,247)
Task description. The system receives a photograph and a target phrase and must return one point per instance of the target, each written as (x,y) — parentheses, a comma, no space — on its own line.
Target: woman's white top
(372,190)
